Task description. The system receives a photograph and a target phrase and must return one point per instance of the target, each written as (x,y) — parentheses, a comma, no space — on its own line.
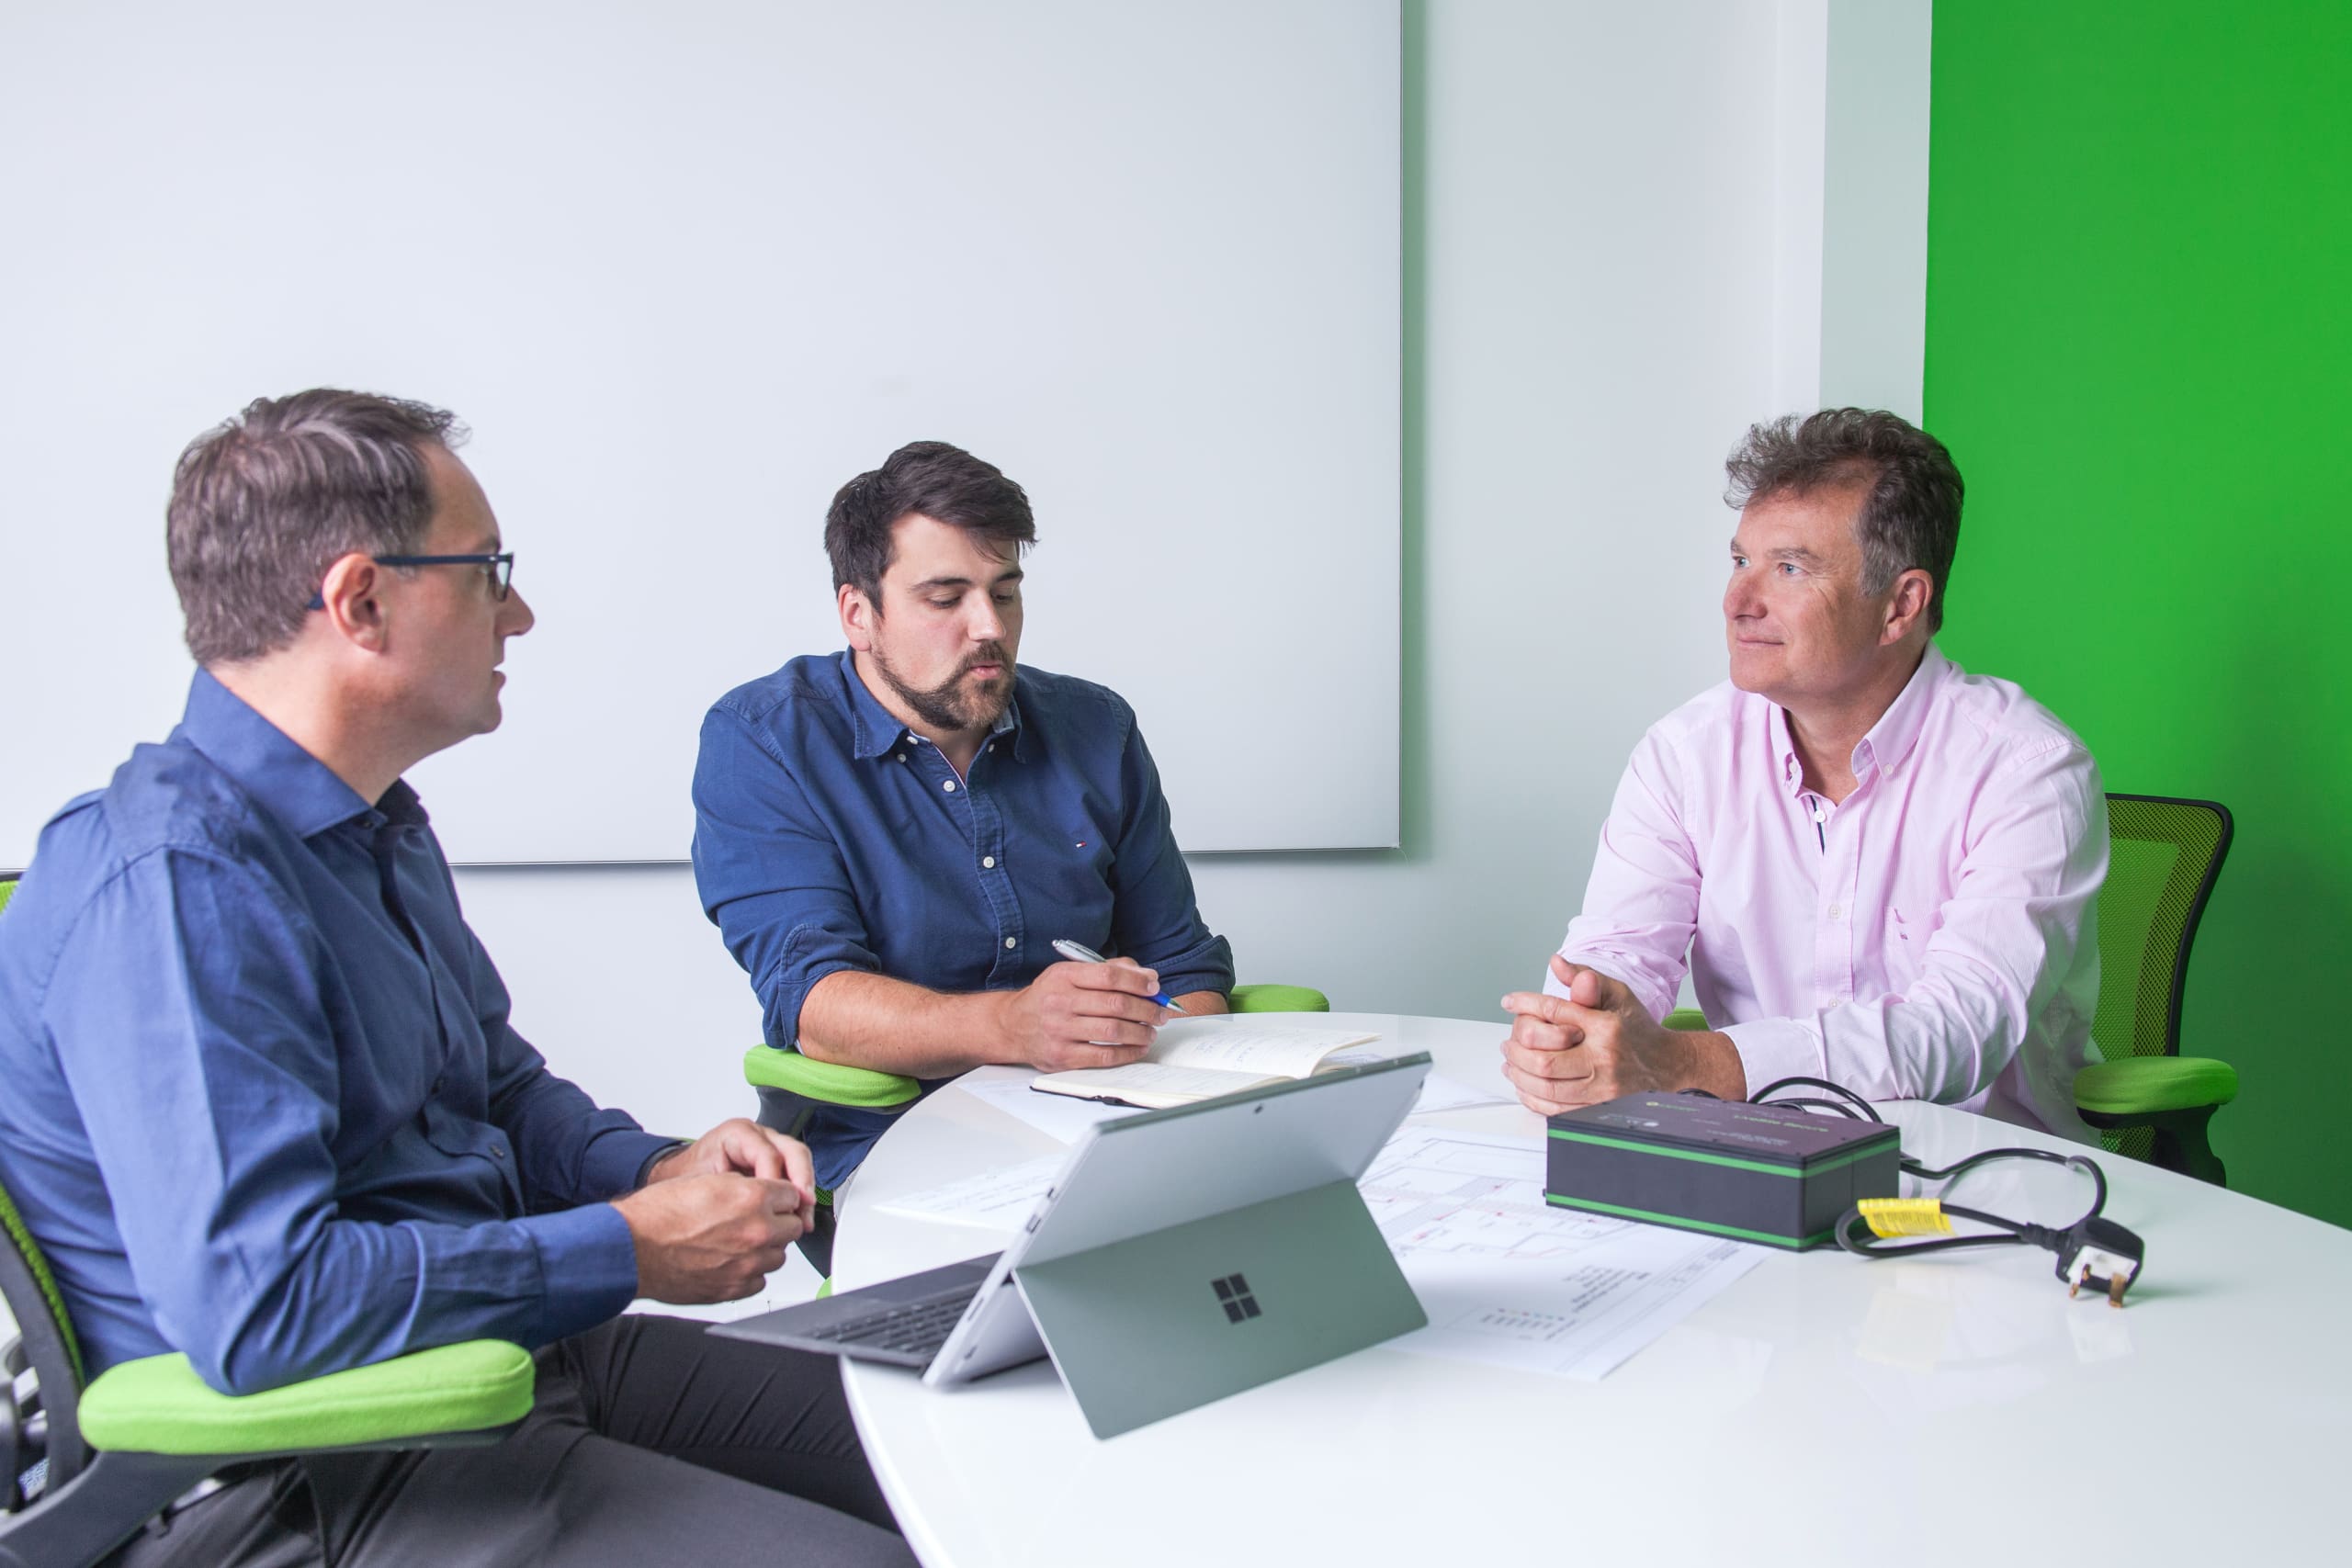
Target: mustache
(993,653)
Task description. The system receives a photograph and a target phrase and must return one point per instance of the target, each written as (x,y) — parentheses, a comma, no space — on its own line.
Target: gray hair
(1910,517)
(262,503)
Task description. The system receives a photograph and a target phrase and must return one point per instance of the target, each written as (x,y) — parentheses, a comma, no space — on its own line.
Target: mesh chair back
(28,1251)
(46,1334)
(44,1302)
(2165,854)
(48,1341)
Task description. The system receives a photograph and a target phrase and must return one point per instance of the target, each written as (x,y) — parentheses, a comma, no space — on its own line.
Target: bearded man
(892,837)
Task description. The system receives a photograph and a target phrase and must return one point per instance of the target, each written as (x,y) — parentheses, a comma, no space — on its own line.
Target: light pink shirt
(1932,938)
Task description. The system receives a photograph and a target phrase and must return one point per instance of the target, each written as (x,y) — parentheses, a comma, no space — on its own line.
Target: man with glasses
(264,1106)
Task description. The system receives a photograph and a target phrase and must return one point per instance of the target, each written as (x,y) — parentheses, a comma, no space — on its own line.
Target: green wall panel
(2139,348)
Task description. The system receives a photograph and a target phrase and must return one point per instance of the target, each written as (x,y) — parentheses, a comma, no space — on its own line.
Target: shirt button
(1837,911)
(902,756)
(1011,941)
(988,863)
(497,1151)
(949,784)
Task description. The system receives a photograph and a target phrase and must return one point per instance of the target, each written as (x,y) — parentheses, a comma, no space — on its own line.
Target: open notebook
(1200,1058)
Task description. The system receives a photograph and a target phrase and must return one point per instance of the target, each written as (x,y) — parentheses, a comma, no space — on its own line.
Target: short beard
(947,706)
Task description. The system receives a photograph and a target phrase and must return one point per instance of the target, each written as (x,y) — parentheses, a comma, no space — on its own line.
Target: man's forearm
(1201,1003)
(871,1020)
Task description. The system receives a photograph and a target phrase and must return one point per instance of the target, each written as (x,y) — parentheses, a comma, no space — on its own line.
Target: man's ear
(1907,606)
(858,616)
(352,608)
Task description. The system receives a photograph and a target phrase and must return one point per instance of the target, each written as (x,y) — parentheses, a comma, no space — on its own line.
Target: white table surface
(1823,1410)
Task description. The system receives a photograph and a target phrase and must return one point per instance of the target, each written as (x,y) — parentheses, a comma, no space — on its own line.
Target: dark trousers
(649,1441)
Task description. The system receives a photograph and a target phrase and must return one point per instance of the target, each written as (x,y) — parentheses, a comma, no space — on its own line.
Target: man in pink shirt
(1880,869)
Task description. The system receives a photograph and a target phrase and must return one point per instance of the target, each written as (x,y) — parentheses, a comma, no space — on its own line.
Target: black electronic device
(1776,1174)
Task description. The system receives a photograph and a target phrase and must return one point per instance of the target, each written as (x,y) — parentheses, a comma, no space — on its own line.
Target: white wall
(1874,204)
(1800,133)
(1590,323)
(685,268)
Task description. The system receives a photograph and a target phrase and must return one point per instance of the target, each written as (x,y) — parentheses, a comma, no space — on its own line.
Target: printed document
(1508,1279)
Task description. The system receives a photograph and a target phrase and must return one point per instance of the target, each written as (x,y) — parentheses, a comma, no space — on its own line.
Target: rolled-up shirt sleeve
(231,1223)
(1641,904)
(770,875)
(2022,905)
(1155,918)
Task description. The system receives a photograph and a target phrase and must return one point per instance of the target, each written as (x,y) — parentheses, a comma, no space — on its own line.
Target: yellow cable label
(1905,1216)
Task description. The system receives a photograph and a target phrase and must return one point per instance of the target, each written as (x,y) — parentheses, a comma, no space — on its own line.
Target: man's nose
(986,625)
(516,617)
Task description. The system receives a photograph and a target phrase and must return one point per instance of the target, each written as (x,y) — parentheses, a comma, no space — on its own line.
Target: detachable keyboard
(903,1321)
(915,1329)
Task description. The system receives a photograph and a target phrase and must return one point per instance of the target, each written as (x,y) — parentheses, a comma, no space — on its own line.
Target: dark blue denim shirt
(828,836)
(263,1104)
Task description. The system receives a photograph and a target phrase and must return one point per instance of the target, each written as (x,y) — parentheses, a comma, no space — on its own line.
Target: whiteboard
(686,268)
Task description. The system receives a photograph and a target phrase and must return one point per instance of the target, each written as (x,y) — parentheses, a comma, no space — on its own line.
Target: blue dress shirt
(264,1105)
(828,836)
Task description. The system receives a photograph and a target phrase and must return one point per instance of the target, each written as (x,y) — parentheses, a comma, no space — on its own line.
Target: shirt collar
(1009,721)
(291,785)
(1890,740)
(875,730)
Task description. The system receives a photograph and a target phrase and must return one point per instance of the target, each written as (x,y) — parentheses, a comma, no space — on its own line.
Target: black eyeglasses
(500,567)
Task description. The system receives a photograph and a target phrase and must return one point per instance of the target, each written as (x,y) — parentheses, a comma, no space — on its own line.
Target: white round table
(1822,1410)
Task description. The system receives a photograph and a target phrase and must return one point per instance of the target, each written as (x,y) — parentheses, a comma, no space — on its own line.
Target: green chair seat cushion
(2144,1085)
(1689,1019)
(1278,999)
(764,1066)
(157,1404)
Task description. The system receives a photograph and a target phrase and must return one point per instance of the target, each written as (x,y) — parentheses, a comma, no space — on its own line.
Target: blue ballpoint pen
(1085,954)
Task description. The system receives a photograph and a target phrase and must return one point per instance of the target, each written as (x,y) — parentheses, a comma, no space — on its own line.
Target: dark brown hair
(931,478)
(263,504)
(1910,516)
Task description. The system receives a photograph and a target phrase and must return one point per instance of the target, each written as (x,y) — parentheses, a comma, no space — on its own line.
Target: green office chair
(795,1091)
(83,1466)
(2149,1101)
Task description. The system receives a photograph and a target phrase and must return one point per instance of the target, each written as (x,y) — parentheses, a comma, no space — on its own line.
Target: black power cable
(1848,1104)
(2093,1251)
